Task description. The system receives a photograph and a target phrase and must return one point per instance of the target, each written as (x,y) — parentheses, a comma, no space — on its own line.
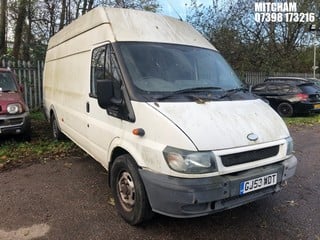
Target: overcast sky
(171,7)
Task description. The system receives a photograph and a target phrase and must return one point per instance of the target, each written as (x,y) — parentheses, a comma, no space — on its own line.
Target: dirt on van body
(69,198)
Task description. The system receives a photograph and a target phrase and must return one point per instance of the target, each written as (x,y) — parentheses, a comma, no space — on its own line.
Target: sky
(171,7)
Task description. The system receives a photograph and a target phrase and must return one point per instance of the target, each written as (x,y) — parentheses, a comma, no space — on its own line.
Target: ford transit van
(156,104)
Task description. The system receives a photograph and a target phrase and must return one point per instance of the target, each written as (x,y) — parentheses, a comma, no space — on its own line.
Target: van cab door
(104,126)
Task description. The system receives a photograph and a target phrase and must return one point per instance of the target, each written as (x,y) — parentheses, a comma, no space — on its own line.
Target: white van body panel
(178,124)
(105,133)
(127,25)
(225,124)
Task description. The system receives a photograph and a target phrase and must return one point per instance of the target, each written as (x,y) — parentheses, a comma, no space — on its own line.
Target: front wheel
(285,109)
(128,190)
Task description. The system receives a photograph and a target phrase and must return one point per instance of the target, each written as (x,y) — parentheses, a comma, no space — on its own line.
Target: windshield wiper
(187,90)
(233,91)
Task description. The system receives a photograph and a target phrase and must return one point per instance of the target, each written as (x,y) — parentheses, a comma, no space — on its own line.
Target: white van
(157,105)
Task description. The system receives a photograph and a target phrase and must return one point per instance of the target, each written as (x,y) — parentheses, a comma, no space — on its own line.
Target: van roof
(133,25)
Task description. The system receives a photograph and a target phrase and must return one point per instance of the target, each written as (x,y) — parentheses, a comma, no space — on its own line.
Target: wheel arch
(116,152)
(53,115)
(52,112)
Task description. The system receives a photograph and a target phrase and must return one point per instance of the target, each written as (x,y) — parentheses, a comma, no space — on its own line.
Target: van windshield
(159,70)
(7,83)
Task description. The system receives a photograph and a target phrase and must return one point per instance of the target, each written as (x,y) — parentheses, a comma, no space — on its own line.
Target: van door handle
(88,107)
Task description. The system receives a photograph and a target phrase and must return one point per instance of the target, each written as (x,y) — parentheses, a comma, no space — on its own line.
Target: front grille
(11,122)
(250,156)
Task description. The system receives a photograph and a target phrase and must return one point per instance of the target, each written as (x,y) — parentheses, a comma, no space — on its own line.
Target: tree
(63,14)
(33,22)
(3,26)
(147,5)
(250,45)
(22,13)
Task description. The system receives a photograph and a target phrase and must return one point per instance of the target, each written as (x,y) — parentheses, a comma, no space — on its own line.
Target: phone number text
(284,17)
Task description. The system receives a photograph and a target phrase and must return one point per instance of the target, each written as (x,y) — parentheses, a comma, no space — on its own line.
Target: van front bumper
(181,197)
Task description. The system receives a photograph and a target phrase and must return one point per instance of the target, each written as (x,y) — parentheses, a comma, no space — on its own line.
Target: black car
(294,79)
(290,97)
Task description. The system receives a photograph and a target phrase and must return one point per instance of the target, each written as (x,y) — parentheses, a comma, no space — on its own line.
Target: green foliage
(41,148)
(256,46)
(303,121)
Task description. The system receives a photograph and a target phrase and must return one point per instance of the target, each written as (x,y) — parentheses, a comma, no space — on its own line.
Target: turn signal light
(138,131)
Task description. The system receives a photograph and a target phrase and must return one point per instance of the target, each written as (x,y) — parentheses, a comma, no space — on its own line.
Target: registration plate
(316,106)
(258,183)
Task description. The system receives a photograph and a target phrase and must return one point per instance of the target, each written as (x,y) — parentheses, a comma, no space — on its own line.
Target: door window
(104,66)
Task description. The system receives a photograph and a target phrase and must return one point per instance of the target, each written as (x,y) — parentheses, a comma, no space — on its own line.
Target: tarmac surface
(70,199)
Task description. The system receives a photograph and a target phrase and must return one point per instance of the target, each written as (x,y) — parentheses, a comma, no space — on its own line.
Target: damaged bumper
(181,197)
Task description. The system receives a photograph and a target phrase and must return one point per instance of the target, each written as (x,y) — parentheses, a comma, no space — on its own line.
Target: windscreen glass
(7,83)
(160,69)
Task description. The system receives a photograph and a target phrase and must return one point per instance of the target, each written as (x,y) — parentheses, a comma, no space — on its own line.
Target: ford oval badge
(252,137)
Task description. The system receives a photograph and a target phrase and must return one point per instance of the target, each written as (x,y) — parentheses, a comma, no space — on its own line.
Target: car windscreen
(7,83)
(158,69)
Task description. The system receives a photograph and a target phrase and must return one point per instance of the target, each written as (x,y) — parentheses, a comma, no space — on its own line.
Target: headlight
(289,145)
(189,162)
(14,108)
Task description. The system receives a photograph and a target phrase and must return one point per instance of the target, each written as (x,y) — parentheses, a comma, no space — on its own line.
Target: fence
(30,77)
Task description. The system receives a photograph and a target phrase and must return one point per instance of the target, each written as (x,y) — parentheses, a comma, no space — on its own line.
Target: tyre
(128,190)
(56,133)
(285,109)
(27,135)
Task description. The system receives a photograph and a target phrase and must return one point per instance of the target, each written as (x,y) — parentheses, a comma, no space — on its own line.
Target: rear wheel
(285,109)
(56,133)
(128,190)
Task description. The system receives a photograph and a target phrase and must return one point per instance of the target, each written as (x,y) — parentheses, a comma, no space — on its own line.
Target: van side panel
(67,81)
(89,21)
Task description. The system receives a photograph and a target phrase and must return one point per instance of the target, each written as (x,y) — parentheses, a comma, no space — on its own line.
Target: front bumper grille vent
(249,156)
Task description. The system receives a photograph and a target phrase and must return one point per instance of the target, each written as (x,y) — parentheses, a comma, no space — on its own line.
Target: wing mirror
(105,94)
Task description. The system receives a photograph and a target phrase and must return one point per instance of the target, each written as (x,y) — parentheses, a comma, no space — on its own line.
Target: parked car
(14,112)
(294,79)
(316,81)
(278,79)
(290,97)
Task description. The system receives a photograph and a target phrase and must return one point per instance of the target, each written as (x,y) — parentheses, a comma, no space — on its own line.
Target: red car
(14,112)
